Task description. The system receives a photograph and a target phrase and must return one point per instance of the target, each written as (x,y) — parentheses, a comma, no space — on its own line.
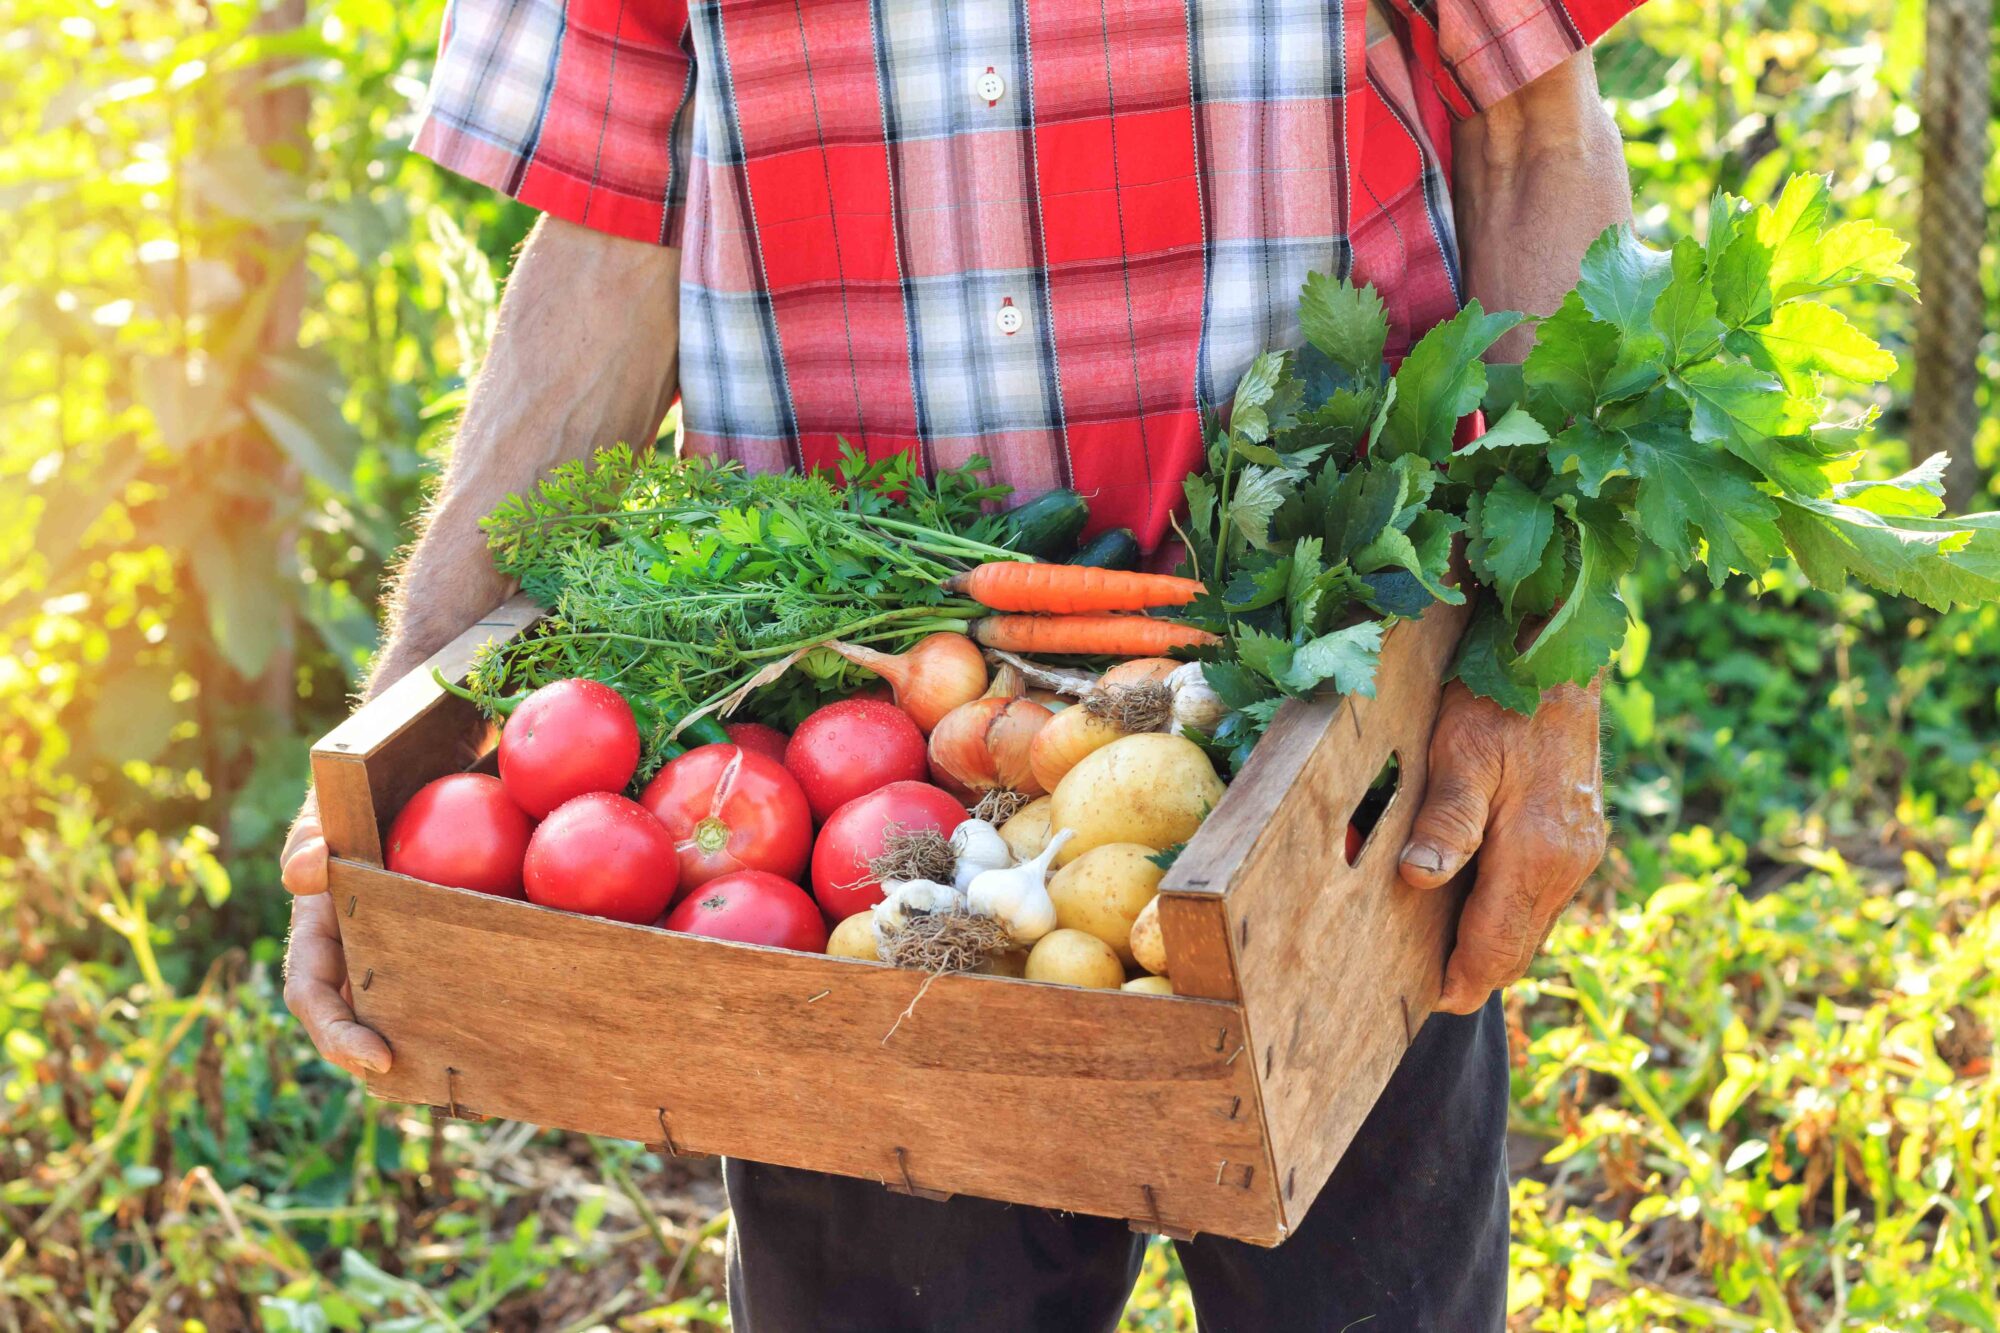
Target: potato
(1149,946)
(1072,958)
(1152,789)
(854,937)
(1013,963)
(1028,831)
(1149,986)
(1103,891)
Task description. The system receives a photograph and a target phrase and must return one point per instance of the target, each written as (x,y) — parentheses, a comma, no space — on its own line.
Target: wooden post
(1951,232)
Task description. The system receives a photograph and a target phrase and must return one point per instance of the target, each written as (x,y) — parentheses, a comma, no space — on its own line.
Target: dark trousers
(1409,1235)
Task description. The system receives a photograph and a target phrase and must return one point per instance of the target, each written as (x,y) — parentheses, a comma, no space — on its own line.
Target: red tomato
(602,855)
(850,748)
(462,831)
(567,738)
(760,739)
(754,908)
(728,808)
(855,834)
(1354,840)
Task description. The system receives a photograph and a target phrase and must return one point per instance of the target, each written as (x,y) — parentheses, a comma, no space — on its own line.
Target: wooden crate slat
(412,732)
(1122,1105)
(1336,971)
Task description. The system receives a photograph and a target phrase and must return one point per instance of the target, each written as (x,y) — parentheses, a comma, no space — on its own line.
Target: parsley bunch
(1677,399)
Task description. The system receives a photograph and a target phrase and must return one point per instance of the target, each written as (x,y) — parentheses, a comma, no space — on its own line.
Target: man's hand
(1526,794)
(316,989)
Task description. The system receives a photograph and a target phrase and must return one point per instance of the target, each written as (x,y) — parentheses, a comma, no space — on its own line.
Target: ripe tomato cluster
(764,840)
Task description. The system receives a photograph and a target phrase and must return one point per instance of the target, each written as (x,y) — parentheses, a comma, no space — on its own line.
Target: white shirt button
(990,87)
(1010,318)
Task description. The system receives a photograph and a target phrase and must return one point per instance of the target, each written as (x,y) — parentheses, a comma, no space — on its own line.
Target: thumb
(303,869)
(1449,827)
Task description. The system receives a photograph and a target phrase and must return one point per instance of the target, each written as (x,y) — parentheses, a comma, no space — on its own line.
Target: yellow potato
(1013,963)
(1103,891)
(1149,986)
(1152,789)
(1149,946)
(854,938)
(1028,831)
(1072,958)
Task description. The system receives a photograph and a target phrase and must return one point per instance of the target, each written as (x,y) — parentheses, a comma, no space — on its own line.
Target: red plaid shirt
(1045,231)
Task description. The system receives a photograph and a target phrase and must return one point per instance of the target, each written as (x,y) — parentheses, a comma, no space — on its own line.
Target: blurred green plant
(233,304)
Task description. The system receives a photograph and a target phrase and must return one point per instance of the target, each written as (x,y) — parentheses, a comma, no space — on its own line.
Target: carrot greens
(676,580)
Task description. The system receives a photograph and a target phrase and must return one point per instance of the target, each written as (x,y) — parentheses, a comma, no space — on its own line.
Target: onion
(1140,671)
(984,745)
(941,672)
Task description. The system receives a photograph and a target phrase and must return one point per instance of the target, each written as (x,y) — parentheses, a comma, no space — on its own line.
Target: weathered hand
(1526,794)
(316,989)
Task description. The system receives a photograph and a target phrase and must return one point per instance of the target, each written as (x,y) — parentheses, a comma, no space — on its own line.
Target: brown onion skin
(939,673)
(984,745)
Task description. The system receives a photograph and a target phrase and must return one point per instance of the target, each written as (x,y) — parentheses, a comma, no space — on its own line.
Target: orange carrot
(1119,636)
(1010,585)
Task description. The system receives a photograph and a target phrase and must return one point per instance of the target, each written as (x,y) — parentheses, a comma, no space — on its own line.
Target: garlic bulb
(1018,896)
(907,897)
(979,847)
(1196,705)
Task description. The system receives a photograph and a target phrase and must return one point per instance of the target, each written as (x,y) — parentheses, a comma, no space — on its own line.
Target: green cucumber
(1116,548)
(1047,526)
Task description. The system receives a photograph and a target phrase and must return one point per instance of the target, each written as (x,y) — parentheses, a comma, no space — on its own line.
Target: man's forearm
(1534,180)
(583,357)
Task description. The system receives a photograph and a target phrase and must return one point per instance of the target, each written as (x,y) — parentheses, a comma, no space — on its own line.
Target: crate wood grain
(1220,1110)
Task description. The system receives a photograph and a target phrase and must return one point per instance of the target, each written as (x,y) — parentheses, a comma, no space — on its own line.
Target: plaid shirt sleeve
(578,108)
(1482,51)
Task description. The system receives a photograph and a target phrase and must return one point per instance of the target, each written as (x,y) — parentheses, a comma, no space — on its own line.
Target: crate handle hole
(1374,803)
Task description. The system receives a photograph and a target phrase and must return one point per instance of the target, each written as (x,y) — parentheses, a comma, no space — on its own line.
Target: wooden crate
(1222,1110)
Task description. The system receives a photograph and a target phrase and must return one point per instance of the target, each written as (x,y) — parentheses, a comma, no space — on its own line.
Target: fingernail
(1423,858)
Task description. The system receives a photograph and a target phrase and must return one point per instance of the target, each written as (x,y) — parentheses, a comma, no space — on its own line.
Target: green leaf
(1919,491)
(1622,278)
(1939,562)
(1747,411)
(1258,493)
(1517,524)
(1364,503)
(1347,657)
(1790,227)
(1741,279)
(1485,662)
(1234,684)
(1266,654)
(1440,381)
(1593,454)
(1516,428)
(1861,252)
(1684,316)
(1304,591)
(1346,323)
(1257,387)
(1200,492)
(1805,337)
(1572,356)
(1689,491)
(1257,582)
(1583,634)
